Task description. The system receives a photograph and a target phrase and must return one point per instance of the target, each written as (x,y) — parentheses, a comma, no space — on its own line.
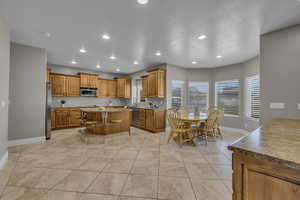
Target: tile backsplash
(88,101)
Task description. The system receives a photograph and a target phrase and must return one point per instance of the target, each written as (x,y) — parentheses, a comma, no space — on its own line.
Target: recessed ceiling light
(194,62)
(112,57)
(47,34)
(202,37)
(82,50)
(105,37)
(158,53)
(136,62)
(117,69)
(219,56)
(142,1)
(74,62)
(98,66)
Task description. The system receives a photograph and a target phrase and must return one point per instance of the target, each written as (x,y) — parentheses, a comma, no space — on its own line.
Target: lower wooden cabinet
(65,118)
(152,120)
(261,179)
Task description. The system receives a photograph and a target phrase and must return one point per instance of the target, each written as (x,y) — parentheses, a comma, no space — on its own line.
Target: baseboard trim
(3,160)
(12,143)
(243,131)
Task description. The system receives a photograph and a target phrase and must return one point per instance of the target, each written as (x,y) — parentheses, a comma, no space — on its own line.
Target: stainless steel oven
(88,92)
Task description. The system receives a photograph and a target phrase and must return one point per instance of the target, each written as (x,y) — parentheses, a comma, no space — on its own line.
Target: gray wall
(280,73)
(241,72)
(27,92)
(4,85)
(85,101)
(237,71)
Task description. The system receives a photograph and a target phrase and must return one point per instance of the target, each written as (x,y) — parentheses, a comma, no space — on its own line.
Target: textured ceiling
(137,32)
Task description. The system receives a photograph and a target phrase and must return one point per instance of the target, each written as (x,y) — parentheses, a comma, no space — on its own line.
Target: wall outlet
(277,105)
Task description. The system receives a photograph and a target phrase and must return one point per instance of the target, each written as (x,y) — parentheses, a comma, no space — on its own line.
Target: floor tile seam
(9,177)
(93,181)
(190,180)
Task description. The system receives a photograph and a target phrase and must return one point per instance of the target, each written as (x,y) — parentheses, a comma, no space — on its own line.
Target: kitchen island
(266,163)
(100,120)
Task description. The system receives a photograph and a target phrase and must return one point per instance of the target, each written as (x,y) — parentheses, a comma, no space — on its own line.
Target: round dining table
(192,117)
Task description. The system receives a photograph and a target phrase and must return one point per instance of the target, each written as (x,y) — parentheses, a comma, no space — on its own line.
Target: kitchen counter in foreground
(266,163)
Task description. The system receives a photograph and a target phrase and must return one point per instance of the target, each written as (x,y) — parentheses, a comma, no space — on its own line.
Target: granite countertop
(278,141)
(105,109)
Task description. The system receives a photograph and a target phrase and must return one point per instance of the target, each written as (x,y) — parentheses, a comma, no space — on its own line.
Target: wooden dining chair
(180,132)
(208,128)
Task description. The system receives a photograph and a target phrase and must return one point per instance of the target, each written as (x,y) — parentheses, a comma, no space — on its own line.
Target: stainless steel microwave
(88,92)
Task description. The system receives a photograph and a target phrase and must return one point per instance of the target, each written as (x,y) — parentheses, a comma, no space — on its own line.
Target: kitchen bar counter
(266,163)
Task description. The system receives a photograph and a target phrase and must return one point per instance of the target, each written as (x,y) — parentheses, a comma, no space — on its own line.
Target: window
(177,93)
(228,97)
(198,95)
(137,88)
(253,97)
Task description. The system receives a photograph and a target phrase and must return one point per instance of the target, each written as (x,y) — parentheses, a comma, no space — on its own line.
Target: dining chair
(208,129)
(180,131)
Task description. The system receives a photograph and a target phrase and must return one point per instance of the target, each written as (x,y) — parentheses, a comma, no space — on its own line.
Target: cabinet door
(142,118)
(127,88)
(58,83)
(52,119)
(121,88)
(112,88)
(152,84)
(161,84)
(92,81)
(102,88)
(149,120)
(74,119)
(145,87)
(159,120)
(62,118)
(84,80)
(73,86)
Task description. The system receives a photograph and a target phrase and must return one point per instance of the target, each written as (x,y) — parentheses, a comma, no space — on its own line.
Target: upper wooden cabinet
(144,87)
(58,85)
(112,88)
(154,84)
(88,80)
(73,86)
(65,85)
(123,87)
(102,88)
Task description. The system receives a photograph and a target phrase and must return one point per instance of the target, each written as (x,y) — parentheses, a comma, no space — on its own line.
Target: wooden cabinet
(65,85)
(73,86)
(261,179)
(58,85)
(65,118)
(52,118)
(74,117)
(112,88)
(88,80)
(155,120)
(144,87)
(61,118)
(156,84)
(142,118)
(102,88)
(123,87)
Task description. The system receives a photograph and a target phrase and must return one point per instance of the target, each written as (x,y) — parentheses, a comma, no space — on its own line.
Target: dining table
(192,117)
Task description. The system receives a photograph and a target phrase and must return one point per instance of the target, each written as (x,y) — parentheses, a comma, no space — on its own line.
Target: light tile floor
(143,166)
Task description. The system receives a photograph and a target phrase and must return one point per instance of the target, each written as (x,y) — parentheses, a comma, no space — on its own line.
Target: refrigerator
(48,111)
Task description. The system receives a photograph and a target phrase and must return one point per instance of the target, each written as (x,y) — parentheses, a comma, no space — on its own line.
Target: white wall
(27,92)
(280,73)
(4,85)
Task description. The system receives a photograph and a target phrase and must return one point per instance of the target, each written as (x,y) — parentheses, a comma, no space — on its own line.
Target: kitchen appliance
(88,92)
(135,117)
(48,111)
